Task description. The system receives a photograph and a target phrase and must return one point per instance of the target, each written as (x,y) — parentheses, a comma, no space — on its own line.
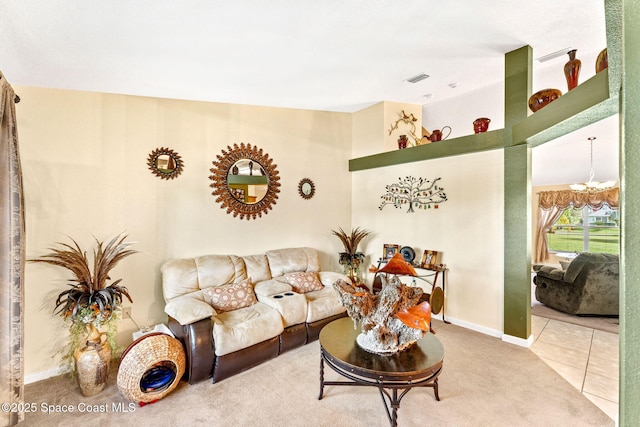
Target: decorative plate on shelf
(408,254)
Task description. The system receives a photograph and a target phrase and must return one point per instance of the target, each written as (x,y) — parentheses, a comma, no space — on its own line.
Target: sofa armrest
(270,287)
(328,278)
(197,339)
(187,309)
(551,273)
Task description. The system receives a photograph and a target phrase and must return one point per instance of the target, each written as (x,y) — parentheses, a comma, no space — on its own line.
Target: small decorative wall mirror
(165,163)
(245,181)
(306,188)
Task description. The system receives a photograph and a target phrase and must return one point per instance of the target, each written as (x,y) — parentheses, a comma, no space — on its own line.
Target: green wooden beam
(629,410)
(451,147)
(517,197)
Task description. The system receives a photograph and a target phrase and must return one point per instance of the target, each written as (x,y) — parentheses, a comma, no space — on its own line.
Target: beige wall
(468,229)
(84,165)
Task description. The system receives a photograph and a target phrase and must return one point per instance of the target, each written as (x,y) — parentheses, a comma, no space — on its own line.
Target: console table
(393,375)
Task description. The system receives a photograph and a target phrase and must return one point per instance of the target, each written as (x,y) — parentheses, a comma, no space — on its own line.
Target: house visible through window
(586,230)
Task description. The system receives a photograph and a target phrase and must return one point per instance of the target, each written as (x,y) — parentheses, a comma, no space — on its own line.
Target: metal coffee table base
(391,392)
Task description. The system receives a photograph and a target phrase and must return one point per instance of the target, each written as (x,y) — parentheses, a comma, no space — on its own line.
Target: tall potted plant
(351,259)
(90,304)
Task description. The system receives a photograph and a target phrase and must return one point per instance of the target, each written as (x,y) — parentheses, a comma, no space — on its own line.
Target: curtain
(11,260)
(553,203)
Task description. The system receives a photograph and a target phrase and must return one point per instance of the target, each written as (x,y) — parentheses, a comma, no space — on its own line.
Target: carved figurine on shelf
(391,320)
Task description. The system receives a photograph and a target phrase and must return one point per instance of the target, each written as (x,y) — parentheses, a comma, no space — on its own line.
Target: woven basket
(144,354)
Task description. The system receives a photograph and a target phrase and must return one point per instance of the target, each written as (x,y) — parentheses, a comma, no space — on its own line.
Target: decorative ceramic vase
(481,125)
(436,135)
(402,141)
(572,69)
(542,98)
(92,359)
(602,61)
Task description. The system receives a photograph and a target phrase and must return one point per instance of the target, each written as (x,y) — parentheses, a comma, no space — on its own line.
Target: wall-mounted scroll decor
(306,188)
(417,193)
(165,163)
(245,181)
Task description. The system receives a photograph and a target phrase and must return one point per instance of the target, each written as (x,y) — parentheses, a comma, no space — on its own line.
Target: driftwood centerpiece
(391,320)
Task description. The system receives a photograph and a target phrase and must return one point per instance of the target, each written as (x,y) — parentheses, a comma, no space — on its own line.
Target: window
(586,230)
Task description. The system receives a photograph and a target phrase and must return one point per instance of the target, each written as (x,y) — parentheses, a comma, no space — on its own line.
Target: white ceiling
(332,55)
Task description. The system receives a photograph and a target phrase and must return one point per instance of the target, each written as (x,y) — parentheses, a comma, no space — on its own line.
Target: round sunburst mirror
(165,163)
(245,181)
(306,188)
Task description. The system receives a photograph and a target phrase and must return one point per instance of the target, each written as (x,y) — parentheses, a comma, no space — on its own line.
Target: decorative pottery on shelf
(602,61)
(543,98)
(92,359)
(392,320)
(437,135)
(481,125)
(402,142)
(572,69)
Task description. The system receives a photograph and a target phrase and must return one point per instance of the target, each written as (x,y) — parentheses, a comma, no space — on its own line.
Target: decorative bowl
(542,98)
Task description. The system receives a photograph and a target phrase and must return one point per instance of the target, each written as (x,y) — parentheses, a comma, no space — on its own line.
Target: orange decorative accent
(397,265)
(417,317)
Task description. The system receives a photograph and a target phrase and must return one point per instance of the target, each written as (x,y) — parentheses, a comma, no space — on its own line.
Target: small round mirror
(165,163)
(306,188)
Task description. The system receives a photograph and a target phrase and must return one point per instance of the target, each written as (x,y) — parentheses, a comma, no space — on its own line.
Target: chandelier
(592,186)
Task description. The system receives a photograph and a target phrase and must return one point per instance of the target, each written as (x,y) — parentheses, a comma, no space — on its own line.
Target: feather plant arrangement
(90,299)
(91,302)
(351,258)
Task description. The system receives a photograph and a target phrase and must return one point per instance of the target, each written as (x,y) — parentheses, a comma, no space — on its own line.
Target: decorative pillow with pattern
(304,282)
(232,296)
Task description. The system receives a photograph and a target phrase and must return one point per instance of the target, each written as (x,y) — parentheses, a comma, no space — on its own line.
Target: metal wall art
(408,120)
(306,188)
(245,181)
(417,193)
(165,163)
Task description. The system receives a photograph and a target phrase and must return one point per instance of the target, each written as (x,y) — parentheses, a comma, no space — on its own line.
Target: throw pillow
(304,282)
(232,296)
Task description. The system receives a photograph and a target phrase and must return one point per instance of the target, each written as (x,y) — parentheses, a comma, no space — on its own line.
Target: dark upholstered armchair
(589,285)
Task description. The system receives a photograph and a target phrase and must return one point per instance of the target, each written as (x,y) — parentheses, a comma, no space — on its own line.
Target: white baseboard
(518,341)
(472,326)
(43,375)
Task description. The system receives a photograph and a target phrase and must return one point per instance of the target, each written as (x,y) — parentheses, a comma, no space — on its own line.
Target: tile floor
(587,358)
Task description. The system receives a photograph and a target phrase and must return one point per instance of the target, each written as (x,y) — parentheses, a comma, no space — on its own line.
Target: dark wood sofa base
(293,337)
(202,363)
(241,360)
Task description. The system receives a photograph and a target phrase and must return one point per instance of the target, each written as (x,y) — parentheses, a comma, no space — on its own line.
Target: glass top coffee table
(394,375)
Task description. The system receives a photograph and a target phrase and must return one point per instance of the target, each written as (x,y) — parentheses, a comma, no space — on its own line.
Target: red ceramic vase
(572,69)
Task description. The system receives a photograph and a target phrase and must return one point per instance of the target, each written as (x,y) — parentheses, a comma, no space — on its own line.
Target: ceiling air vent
(416,79)
(554,55)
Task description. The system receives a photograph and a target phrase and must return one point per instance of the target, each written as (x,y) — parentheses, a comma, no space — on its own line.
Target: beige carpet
(608,324)
(485,382)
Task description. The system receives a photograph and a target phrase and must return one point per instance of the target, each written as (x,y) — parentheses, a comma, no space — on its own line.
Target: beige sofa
(233,312)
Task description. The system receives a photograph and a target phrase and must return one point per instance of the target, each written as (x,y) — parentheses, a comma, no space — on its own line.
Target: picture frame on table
(389,251)
(429,259)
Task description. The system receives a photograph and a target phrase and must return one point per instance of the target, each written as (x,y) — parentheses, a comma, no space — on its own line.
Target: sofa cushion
(291,260)
(231,296)
(257,267)
(304,282)
(216,270)
(242,328)
(322,304)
